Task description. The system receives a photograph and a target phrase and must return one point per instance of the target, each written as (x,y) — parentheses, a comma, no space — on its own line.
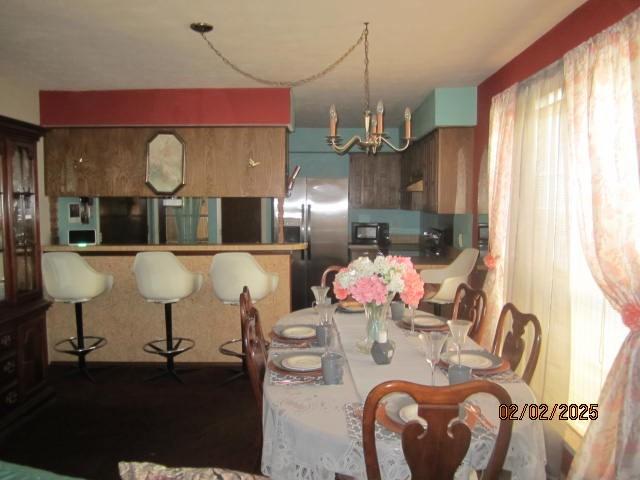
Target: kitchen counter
(422,261)
(128,321)
(202,248)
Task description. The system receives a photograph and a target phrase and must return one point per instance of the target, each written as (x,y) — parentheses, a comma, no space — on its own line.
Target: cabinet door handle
(9,367)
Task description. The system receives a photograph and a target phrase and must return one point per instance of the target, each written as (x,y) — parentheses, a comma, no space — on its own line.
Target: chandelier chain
(302,81)
(366,67)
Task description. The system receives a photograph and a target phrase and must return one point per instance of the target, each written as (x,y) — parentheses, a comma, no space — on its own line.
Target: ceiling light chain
(202,29)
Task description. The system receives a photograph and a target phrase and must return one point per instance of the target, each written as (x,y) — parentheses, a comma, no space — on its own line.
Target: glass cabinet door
(24,217)
(3,265)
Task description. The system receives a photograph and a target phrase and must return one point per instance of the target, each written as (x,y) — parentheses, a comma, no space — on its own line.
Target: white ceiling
(415,45)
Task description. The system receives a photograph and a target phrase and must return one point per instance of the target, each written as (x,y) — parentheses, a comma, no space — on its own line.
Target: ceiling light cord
(302,81)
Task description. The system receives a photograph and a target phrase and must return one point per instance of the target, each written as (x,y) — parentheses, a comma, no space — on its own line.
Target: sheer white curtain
(536,245)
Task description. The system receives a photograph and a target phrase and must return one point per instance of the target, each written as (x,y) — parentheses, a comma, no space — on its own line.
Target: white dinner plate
(423,319)
(302,363)
(474,359)
(297,332)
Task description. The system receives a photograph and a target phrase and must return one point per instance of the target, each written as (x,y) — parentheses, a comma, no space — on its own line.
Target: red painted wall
(175,107)
(583,23)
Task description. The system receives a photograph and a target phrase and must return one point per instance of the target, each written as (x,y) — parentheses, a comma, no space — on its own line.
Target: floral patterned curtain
(602,102)
(501,125)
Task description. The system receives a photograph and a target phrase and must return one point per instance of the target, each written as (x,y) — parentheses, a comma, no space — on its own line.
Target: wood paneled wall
(112,161)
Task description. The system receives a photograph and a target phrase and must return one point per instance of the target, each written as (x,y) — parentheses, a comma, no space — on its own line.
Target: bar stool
(162,278)
(230,272)
(68,278)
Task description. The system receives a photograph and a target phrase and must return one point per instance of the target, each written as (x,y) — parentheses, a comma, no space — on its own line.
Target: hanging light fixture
(374,135)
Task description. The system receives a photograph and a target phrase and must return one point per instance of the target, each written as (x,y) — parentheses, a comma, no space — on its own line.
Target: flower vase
(376,316)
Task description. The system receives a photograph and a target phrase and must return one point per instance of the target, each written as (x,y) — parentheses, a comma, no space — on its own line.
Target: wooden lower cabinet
(23,360)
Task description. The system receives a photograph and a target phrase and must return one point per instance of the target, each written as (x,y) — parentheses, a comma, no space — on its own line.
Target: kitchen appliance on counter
(370,234)
(434,241)
(369,239)
(316,212)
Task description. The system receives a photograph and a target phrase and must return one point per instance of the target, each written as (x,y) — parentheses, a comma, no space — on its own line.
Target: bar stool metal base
(237,372)
(168,347)
(81,345)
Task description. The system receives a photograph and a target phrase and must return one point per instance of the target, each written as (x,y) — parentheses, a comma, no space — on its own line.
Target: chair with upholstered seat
(509,343)
(162,278)
(230,273)
(435,451)
(449,278)
(68,278)
(470,304)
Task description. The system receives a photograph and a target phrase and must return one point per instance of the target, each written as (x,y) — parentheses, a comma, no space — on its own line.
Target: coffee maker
(433,241)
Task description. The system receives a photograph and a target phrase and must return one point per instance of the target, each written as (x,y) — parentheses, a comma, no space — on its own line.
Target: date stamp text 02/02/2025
(543,411)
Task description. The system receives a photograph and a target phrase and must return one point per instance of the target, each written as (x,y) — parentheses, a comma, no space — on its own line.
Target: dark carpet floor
(89,428)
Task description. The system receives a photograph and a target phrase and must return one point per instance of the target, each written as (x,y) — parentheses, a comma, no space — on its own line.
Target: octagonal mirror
(165,163)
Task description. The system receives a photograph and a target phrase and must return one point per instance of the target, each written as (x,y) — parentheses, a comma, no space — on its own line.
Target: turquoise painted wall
(456,107)
(445,107)
(63,218)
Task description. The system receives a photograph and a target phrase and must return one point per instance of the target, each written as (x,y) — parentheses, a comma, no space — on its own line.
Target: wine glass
(459,330)
(320,294)
(433,343)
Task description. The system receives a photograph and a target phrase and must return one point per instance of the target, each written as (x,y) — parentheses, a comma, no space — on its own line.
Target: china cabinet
(23,347)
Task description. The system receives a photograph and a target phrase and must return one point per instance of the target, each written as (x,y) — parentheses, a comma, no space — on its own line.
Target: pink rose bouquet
(378,280)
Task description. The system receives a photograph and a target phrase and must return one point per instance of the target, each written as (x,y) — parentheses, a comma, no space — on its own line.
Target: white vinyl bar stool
(450,278)
(162,278)
(68,278)
(230,272)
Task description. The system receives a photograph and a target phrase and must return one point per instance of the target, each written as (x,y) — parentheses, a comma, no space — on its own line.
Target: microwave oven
(370,233)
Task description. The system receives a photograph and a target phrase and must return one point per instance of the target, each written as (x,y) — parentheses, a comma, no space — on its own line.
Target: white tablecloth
(305,429)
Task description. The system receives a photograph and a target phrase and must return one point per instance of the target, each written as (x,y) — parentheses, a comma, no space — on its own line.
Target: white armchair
(450,277)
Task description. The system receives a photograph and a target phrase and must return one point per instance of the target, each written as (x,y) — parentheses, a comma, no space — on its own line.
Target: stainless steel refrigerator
(316,213)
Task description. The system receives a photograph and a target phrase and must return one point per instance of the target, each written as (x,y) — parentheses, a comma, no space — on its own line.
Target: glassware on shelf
(433,343)
(16,170)
(459,330)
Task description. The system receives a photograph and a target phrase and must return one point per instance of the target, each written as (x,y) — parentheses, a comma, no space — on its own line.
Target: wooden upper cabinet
(374,180)
(220,162)
(443,160)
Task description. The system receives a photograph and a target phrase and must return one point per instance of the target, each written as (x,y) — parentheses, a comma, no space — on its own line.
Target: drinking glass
(412,315)
(433,343)
(459,330)
(320,294)
(326,311)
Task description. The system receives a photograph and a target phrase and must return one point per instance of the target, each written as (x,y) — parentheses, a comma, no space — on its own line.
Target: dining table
(313,431)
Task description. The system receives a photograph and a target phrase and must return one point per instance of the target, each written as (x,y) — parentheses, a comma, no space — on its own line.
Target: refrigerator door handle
(303,230)
(307,236)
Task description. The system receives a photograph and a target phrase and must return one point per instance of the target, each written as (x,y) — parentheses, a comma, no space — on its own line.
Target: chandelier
(374,135)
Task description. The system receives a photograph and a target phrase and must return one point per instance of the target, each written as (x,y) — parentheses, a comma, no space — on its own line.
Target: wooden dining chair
(436,451)
(256,358)
(509,344)
(470,304)
(328,276)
